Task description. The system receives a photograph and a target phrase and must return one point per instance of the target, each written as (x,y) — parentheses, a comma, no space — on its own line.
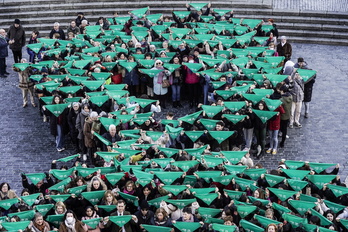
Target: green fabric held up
(77,190)
(126,143)
(102,139)
(306,74)
(85,171)
(208,175)
(157,201)
(320,167)
(208,212)
(337,190)
(185,165)
(202,191)
(175,189)
(260,40)
(250,227)
(234,106)
(151,228)
(241,89)
(15,226)
(297,185)
(175,123)
(223,228)
(209,124)
(43,209)
(107,156)
(234,118)
(171,67)
(72,99)
(211,111)
(125,118)
(146,63)
(253,98)
(21,66)
(255,173)
(169,152)
(272,70)
(180,203)
(235,169)
(320,180)
(281,209)
(128,65)
(323,220)
(107,208)
(292,164)
(140,35)
(181,32)
(273,180)
(263,115)
(198,6)
(62,174)
(6,204)
(194,67)
(140,12)
(55,220)
(265,221)
(301,206)
(120,220)
(24,216)
(106,122)
(163,162)
(154,17)
(212,161)
(154,135)
(263,201)
(272,104)
(173,132)
(233,156)
(35,177)
(117,94)
(150,72)
(275,78)
(35,47)
(207,198)
(117,87)
(129,198)
(30,200)
(267,28)
(60,198)
(282,194)
(92,222)
(214,220)
(92,85)
(78,80)
(101,76)
(168,177)
(187,226)
(181,14)
(194,135)
(57,109)
(68,158)
(304,197)
(274,60)
(221,136)
(93,197)
(336,208)
(109,65)
(263,92)
(296,174)
(245,210)
(99,100)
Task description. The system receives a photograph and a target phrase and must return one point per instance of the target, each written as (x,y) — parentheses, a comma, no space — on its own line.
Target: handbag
(165,83)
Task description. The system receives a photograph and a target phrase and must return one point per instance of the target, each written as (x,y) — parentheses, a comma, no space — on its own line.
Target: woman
(38,224)
(90,213)
(161,218)
(96,184)
(72,115)
(57,124)
(191,83)
(89,135)
(158,89)
(33,40)
(80,122)
(274,126)
(260,131)
(108,199)
(6,192)
(71,224)
(272,228)
(176,82)
(132,79)
(60,208)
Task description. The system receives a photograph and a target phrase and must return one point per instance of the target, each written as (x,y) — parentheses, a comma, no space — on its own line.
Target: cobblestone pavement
(27,146)
(312,5)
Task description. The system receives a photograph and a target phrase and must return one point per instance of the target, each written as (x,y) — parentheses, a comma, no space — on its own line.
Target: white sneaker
(258,150)
(44,118)
(287,136)
(84,157)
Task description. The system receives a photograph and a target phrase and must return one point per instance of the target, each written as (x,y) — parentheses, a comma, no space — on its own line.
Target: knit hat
(17,21)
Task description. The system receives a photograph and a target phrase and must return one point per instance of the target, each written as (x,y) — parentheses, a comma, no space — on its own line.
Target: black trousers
(2,66)
(17,56)
(284,129)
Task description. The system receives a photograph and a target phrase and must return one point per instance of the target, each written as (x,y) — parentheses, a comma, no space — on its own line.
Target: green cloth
(140,12)
(62,174)
(117,94)
(223,228)
(263,201)
(175,189)
(272,104)
(120,220)
(263,115)
(191,118)
(102,139)
(320,167)
(234,118)
(35,47)
(115,87)
(15,226)
(212,161)
(172,131)
(207,198)
(129,198)
(85,171)
(209,124)
(245,210)
(70,89)
(214,220)
(273,180)
(101,76)
(302,206)
(275,78)
(128,65)
(35,177)
(6,204)
(106,122)
(30,200)
(180,203)
(157,201)
(250,227)
(180,32)
(281,209)
(99,100)
(93,197)
(92,222)
(78,80)
(265,221)
(336,208)
(171,67)
(323,220)
(255,173)
(274,60)
(185,165)
(144,102)
(181,14)
(202,191)
(253,98)
(107,156)
(194,135)
(151,228)
(68,158)
(198,6)
(154,17)
(163,162)
(77,190)
(168,177)
(24,216)
(296,174)
(235,169)
(57,109)
(146,63)
(297,185)
(125,118)
(234,156)
(208,175)
(21,66)
(55,220)
(194,67)
(211,111)
(109,65)
(169,152)
(336,189)
(92,85)
(234,106)
(187,226)
(304,197)
(292,164)
(282,194)
(60,198)
(175,123)
(294,220)
(208,212)
(107,208)
(306,74)
(320,180)
(43,209)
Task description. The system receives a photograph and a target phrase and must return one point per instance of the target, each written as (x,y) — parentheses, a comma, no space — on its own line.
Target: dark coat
(129,227)
(3,48)
(87,131)
(60,32)
(285,50)
(308,89)
(111,139)
(55,120)
(18,34)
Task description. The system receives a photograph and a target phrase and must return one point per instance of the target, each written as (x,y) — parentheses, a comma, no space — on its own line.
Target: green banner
(43,209)
(93,197)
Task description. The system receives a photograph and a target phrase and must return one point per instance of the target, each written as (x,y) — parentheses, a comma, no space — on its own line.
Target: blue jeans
(273,134)
(176,92)
(59,137)
(248,137)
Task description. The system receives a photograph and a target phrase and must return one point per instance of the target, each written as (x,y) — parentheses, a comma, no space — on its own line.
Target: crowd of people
(103,87)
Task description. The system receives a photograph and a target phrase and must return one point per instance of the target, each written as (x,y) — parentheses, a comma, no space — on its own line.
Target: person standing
(16,35)
(3,53)
(297,98)
(284,49)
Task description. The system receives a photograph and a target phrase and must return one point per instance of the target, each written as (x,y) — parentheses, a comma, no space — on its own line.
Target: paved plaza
(27,146)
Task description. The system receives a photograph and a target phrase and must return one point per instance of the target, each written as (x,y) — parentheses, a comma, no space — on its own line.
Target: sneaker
(24,105)
(306,115)
(269,151)
(274,152)
(258,150)
(44,118)
(84,157)
(299,125)
(60,149)
(33,104)
(287,136)
(291,126)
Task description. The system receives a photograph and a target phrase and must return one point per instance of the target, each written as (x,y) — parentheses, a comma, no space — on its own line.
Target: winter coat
(60,120)
(60,32)
(308,89)
(297,90)
(285,50)
(3,48)
(287,102)
(274,124)
(87,131)
(131,78)
(157,87)
(80,122)
(79,227)
(18,34)
(24,81)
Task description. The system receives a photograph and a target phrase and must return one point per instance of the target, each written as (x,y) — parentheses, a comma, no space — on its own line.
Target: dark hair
(121,201)
(36,32)
(89,207)
(60,99)
(187,210)
(2,184)
(69,211)
(221,123)
(25,190)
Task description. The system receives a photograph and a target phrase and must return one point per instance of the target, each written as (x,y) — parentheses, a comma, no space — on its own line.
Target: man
(297,98)
(129,226)
(3,53)
(57,31)
(111,136)
(16,35)
(73,28)
(284,49)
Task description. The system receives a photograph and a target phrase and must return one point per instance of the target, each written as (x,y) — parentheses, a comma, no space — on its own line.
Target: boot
(179,104)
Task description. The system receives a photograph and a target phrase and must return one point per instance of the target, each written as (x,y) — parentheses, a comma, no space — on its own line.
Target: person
(80,122)
(158,89)
(32,40)
(272,228)
(71,223)
(57,32)
(6,192)
(284,48)
(73,28)
(260,131)
(176,82)
(161,218)
(103,23)
(308,86)
(88,133)
(80,18)
(38,224)
(286,99)
(297,98)
(274,126)
(16,35)
(144,215)
(3,53)
(26,85)
(91,213)
(112,136)
(72,115)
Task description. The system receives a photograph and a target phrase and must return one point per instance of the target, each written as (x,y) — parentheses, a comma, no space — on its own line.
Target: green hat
(250,227)
(187,226)
(24,216)
(157,201)
(297,185)
(181,14)
(323,220)
(207,198)
(173,132)
(43,209)
(175,189)
(234,156)
(320,180)
(35,177)
(77,190)
(207,175)
(62,174)
(282,194)
(320,167)
(211,111)
(281,209)
(336,189)
(30,199)
(60,198)
(234,118)
(191,118)
(185,165)
(151,228)
(55,219)
(209,124)
(180,203)
(296,174)
(336,208)
(255,173)
(93,197)
(140,12)
(264,115)
(306,74)
(273,180)
(169,152)
(102,139)
(129,198)
(208,212)
(15,226)
(168,177)
(6,204)
(302,206)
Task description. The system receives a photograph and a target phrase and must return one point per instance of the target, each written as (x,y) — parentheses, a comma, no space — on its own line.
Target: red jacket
(275,123)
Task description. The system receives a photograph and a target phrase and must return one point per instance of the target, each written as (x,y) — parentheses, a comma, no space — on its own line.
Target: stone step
(312,27)
(327,41)
(314,34)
